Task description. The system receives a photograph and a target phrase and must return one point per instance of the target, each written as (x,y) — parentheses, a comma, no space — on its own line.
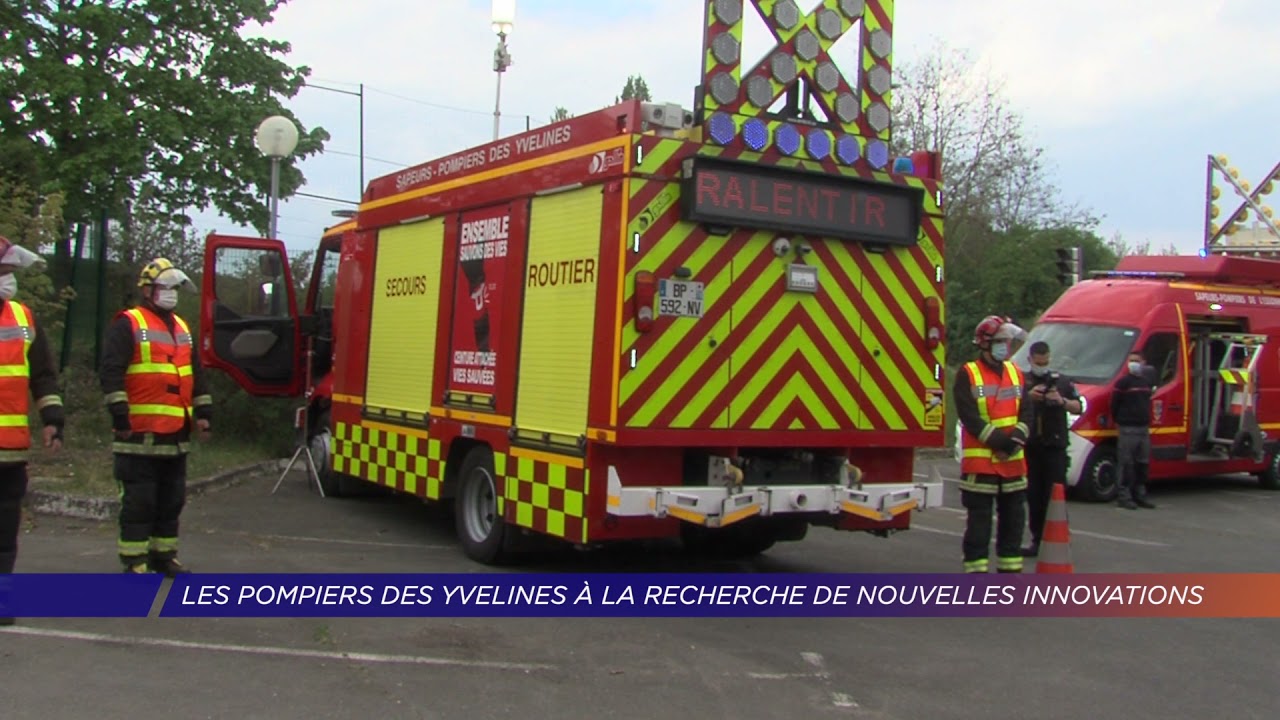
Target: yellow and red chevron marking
(1235,377)
(851,356)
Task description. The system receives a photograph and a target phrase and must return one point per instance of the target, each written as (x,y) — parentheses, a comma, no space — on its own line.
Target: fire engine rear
(722,324)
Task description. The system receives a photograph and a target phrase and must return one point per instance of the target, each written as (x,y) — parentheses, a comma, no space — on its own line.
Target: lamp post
(504,19)
(277,137)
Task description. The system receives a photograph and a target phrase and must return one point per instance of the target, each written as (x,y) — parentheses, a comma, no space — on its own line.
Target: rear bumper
(721,506)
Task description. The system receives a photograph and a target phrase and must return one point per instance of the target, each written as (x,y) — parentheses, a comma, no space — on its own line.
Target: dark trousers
(1010,508)
(153,493)
(1133,454)
(1045,466)
(13,486)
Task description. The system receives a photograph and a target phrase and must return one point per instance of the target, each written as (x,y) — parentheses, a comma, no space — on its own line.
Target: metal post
(497,104)
(99,328)
(72,307)
(275,196)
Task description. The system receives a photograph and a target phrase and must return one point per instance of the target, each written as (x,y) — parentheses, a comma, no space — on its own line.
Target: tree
(30,221)
(994,177)
(114,101)
(1123,248)
(560,114)
(636,88)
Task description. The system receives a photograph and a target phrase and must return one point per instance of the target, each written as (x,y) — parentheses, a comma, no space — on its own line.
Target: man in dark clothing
(1052,396)
(1131,408)
(157,395)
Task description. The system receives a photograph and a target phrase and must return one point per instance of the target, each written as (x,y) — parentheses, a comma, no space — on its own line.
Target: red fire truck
(1203,325)
(722,324)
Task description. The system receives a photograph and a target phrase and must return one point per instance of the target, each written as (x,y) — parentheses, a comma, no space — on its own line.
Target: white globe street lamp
(504,19)
(277,137)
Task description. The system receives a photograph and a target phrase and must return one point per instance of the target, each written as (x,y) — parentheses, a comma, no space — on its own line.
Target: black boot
(166,564)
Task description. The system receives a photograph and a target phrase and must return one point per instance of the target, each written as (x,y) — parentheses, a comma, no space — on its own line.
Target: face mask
(1039,370)
(1000,352)
(165,298)
(8,286)
(1135,368)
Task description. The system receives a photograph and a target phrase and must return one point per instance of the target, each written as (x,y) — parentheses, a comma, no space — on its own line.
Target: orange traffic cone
(1055,544)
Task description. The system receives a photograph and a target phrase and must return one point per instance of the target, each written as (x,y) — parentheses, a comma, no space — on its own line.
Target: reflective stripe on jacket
(16,336)
(999,399)
(158,382)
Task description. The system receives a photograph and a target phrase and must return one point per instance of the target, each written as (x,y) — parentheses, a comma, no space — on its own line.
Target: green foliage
(636,88)
(1017,276)
(31,223)
(146,99)
(560,114)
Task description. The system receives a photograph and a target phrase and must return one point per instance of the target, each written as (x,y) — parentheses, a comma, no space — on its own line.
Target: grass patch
(84,465)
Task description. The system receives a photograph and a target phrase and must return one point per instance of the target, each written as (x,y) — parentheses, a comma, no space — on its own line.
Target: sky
(1127,97)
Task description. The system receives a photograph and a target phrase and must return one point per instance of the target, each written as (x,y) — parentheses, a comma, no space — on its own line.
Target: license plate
(680,298)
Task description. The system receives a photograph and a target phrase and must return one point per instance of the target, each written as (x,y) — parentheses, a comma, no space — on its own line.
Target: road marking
(813,659)
(785,676)
(842,700)
(926,528)
(273,651)
(1251,496)
(1117,538)
(337,541)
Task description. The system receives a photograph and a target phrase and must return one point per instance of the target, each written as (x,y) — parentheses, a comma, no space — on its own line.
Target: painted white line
(842,700)
(1117,538)
(272,651)
(812,658)
(926,528)
(337,541)
(786,676)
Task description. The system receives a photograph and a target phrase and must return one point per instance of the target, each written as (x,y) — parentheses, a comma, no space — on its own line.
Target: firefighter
(27,371)
(154,389)
(994,428)
(1131,407)
(1052,397)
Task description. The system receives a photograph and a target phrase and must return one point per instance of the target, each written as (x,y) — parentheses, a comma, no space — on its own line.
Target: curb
(44,502)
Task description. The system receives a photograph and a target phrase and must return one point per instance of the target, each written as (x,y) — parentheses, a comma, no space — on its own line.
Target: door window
(1162,352)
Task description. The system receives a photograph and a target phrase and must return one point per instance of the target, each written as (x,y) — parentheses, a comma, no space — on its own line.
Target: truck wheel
(320,445)
(1100,480)
(335,484)
(1269,478)
(481,530)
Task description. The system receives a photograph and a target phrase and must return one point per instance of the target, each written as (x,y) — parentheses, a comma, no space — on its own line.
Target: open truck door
(248,317)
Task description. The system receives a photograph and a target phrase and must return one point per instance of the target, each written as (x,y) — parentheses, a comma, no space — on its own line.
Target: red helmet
(987,329)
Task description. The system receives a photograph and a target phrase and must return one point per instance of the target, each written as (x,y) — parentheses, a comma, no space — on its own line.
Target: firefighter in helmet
(994,425)
(157,395)
(27,371)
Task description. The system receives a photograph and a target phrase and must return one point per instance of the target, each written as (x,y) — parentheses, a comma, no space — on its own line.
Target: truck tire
(1269,478)
(335,484)
(1100,478)
(481,529)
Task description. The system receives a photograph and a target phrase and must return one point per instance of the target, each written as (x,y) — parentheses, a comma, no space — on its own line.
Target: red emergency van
(1205,326)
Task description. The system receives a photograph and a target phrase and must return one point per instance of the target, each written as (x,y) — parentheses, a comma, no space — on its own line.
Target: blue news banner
(626,595)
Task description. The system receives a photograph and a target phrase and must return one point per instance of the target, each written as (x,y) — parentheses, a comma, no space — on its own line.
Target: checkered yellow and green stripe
(408,462)
(544,496)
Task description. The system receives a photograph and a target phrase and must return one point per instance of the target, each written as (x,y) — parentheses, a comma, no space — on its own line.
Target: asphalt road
(479,669)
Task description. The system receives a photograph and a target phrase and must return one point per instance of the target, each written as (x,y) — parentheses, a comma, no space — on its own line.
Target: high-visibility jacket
(999,397)
(16,336)
(158,382)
